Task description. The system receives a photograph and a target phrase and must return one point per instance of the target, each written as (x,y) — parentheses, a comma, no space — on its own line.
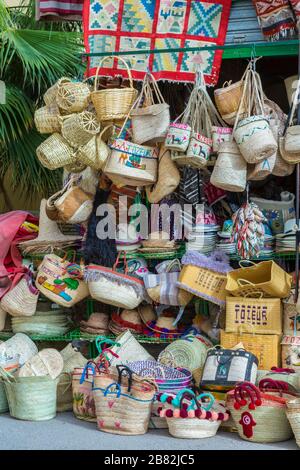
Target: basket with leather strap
(113,103)
(46,119)
(260,414)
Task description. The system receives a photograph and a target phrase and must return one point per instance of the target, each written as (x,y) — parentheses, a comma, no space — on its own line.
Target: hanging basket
(178,136)
(198,151)
(51,93)
(133,164)
(55,152)
(79,128)
(83,399)
(230,170)
(46,119)
(220,135)
(228,101)
(95,152)
(73,97)
(113,103)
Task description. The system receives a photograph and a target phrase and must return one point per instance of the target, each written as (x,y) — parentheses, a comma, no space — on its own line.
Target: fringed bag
(112,287)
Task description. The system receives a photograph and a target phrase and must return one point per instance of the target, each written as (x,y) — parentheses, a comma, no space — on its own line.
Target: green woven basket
(32,398)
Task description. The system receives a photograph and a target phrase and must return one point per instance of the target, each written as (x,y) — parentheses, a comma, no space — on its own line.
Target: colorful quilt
(124,25)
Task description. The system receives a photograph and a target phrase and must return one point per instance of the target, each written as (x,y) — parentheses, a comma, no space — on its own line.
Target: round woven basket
(282,167)
(95,152)
(289,157)
(293,415)
(76,167)
(46,119)
(228,100)
(51,93)
(32,398)
(113,103)
(73,96)
(189,353)
(79,128)
(186,428)
(230,170)
(55,152)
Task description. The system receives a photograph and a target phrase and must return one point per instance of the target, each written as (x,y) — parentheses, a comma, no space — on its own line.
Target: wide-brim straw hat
(97,320)
(163,327)
(127,320)
(159,240)
(49,235)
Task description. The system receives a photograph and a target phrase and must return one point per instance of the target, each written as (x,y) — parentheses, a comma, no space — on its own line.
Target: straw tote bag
(71,204)
(230,169)
(61,281)
(168,178)
(112,287)
(124,410)
(151,120)
(266,277)
(22,299)
(223,368)
(260,415)
(113,103)
(83,399)
(290,142)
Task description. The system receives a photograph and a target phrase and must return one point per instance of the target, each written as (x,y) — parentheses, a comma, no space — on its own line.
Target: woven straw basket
(51,93)
(83,399)
(55,152)
(192,428)
(282,167)
(113,103)
(3,399)
(95,152)
(292,140)
(32,398)
(287,156)
(135,165)
(228,101)
(271,423)
(293,415)
(264,315)
(64,397)
(230,170)
(219,135)
(197,154)
(77,166)
(22,299)
(46,119)
(73,97)
(79,128)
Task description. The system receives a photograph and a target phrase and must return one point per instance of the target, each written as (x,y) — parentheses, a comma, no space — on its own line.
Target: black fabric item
(95,250)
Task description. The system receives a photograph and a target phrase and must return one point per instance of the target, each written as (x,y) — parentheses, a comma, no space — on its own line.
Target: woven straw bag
(168,178)
(205,276)
(264,420)
(44,363)
(95,152)
(72,360)
(179,132)
(83,399)
(31,398)
(19,345)
(50,95)
(265,315)
(72,97)
(22,299)
(230,169)
(111,287)
(113,103)
(151,121)
(291,318)
(290,150)
(46,119)
(266,277)
(3,315)
(121,409)
(79,128)
(201,421)
(220,134)
(61,281)
(293,415)
(76,167)
(253,134)
(228,99)
(55,152)
(131,164)
(282,167)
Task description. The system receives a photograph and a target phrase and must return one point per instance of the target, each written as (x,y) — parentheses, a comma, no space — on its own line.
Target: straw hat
(147,313)
(163,327)
(49,236)
(96,324)
(158,242)
(127,320)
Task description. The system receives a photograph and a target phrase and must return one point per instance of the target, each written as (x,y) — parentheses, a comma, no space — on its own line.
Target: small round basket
(46,119)
(79,128)
(73,97)
(55,152)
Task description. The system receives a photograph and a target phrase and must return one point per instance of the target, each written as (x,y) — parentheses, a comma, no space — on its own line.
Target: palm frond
(16,115)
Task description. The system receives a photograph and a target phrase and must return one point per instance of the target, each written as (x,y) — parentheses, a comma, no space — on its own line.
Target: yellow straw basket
(265,277)
(73,97)
(79,128)
(264,315)
(46,119)
(55,152)
(113,103)
(265,347)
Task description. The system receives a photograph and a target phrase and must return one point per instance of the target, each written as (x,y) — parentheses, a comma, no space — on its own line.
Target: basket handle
(268,383)
(108,391)
(246,261)
(280,370)
(126,372)
(85,372)
(209,405)
(102,340)
(124,261)
(112,57)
